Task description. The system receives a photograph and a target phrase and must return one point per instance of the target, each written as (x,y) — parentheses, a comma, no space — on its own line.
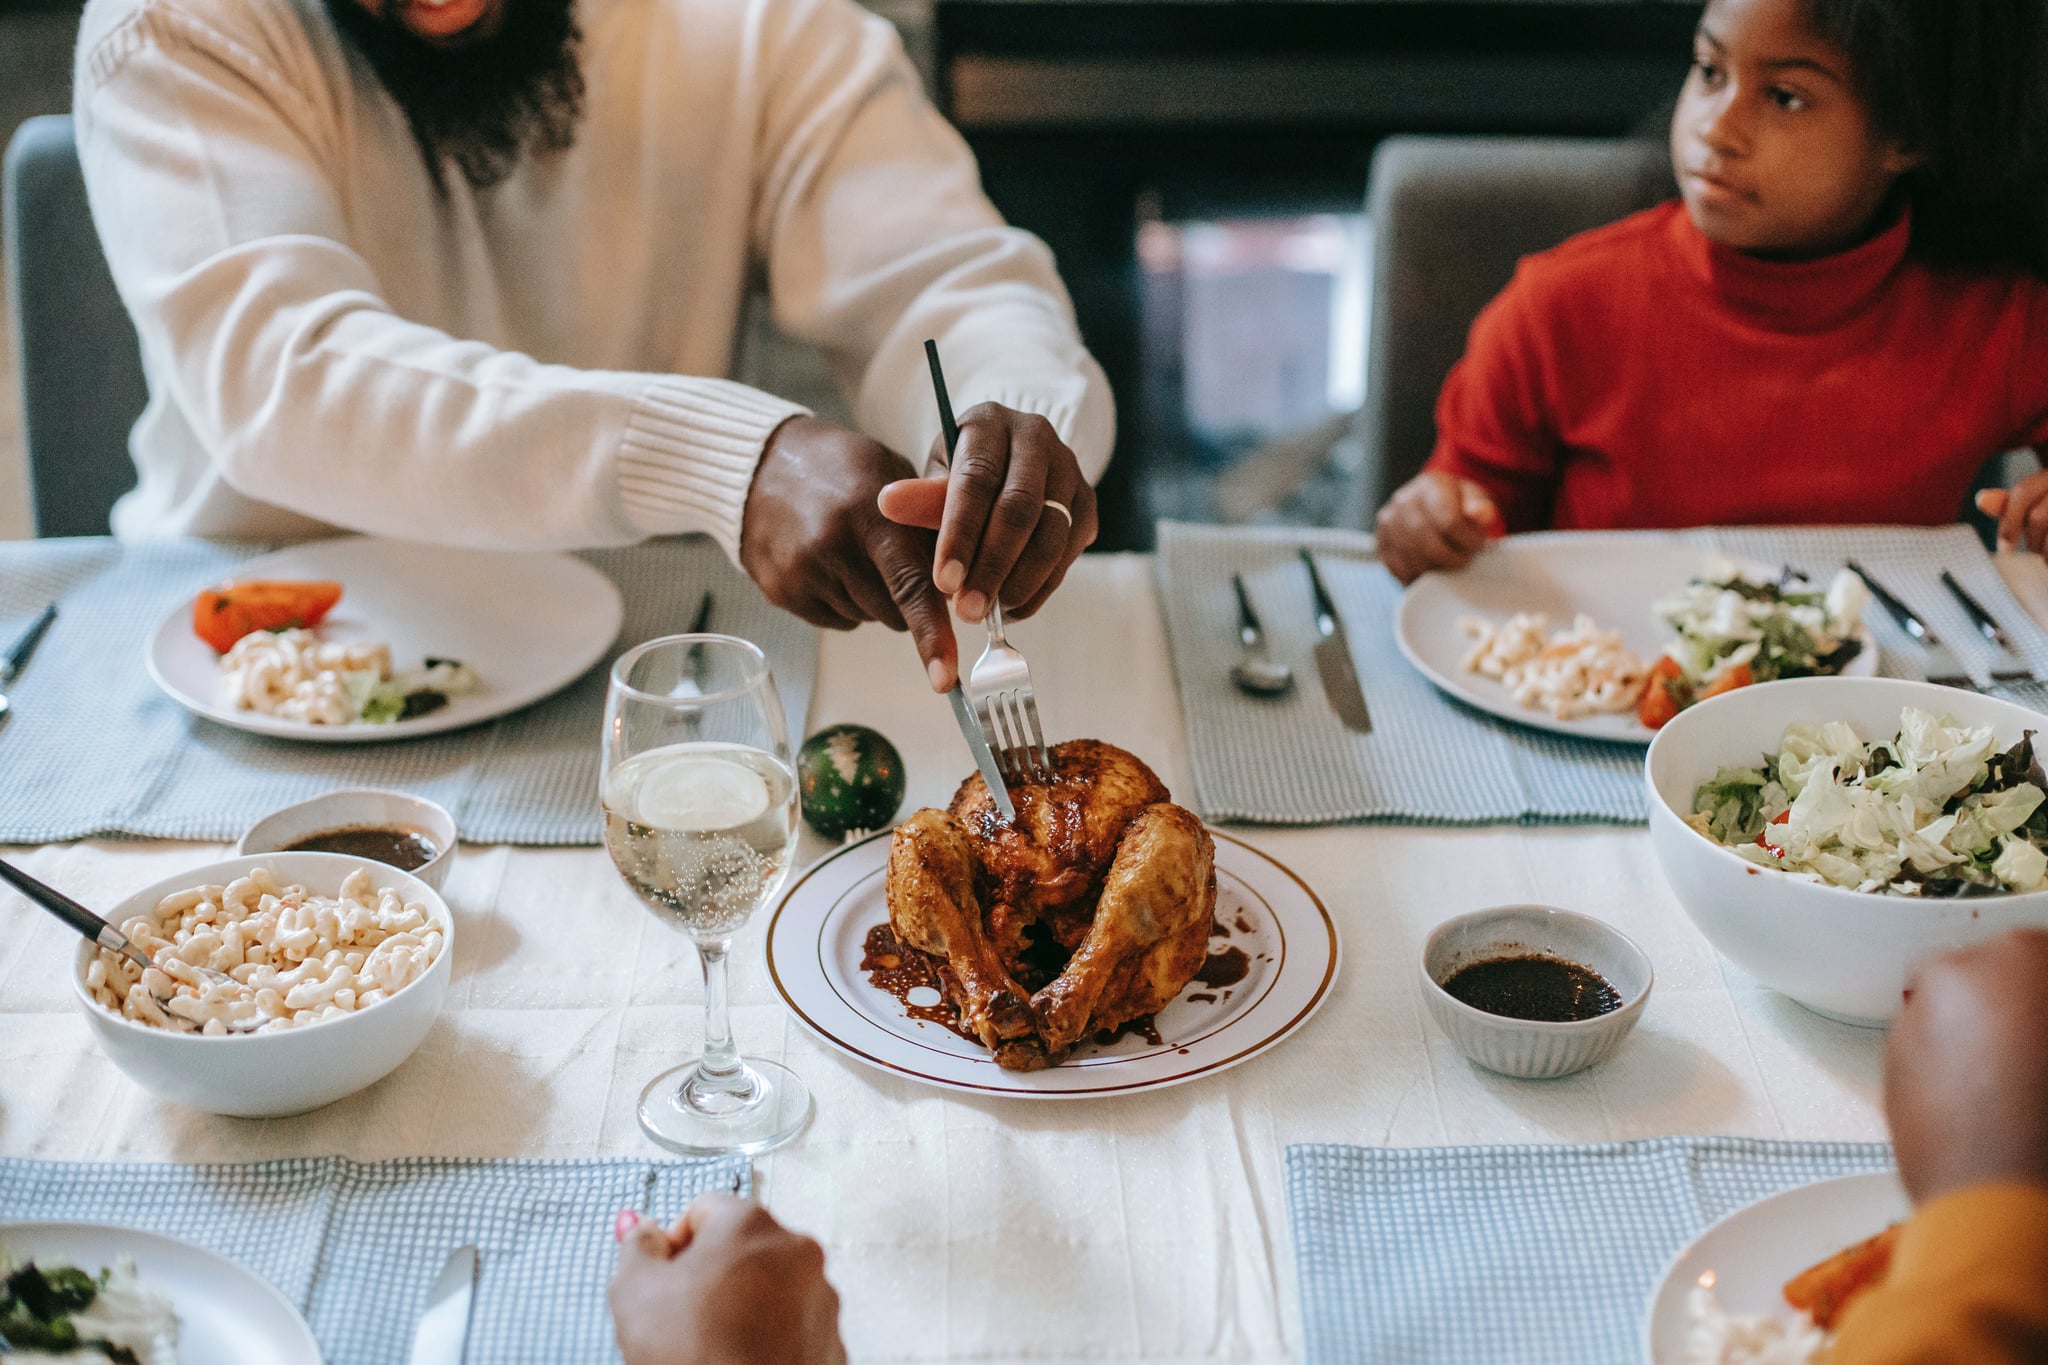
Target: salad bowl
(1842,953)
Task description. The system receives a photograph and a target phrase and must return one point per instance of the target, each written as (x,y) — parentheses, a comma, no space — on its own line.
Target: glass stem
(720,1071)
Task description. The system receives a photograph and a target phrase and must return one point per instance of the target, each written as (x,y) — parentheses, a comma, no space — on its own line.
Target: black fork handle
(56,902)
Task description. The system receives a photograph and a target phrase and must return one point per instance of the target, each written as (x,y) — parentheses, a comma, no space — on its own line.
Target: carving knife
(977,744)
(443,1331)
(1333,658)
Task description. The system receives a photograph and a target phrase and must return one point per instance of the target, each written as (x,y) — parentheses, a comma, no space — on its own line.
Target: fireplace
(1199,167)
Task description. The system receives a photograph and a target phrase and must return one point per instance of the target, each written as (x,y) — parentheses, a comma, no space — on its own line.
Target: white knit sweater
(330,340)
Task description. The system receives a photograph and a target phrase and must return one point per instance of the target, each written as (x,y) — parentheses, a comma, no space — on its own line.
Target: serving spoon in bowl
(103,932)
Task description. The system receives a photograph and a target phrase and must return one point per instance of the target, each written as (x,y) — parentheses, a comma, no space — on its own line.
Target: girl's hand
(2022,513)
(728,1285)
(1435,521)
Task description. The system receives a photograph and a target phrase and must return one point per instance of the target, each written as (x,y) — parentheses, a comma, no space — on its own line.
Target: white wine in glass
(700,816)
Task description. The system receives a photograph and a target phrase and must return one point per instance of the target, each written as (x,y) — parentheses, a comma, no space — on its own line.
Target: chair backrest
(1450,218)
(81,367)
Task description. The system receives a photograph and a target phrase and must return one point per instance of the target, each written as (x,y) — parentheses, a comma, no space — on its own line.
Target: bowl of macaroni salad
(335,968)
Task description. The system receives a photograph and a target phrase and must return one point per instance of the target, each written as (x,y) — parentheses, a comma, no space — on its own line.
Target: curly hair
(1963,85)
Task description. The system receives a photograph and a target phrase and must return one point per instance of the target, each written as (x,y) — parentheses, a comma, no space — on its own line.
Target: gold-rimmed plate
(1263,910)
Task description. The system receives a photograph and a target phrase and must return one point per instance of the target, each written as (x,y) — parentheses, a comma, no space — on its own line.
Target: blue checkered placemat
(93,748)
(1515,1255)
(356,1247)
(1431,760)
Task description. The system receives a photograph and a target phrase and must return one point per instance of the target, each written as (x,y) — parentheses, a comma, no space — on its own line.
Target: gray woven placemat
(1515,1255)
(93,748)
(1431,760)
(356,1247)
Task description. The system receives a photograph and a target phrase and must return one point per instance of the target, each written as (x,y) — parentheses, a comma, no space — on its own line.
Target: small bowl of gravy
(1534,992)
(406,832)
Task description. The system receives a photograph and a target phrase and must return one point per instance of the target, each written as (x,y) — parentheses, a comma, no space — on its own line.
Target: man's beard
(482,104)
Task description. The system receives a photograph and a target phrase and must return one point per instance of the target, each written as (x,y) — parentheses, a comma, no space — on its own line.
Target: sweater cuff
(1968,1281)
(688,455)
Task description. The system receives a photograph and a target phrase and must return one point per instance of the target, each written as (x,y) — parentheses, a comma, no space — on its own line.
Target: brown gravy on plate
(404,849)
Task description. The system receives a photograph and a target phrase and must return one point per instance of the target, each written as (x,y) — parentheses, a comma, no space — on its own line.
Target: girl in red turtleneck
(1841,321)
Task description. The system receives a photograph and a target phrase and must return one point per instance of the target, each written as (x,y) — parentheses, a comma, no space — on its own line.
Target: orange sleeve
(1493,424)
(1968,1286)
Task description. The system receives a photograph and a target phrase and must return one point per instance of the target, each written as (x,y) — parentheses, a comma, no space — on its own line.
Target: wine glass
(700,817)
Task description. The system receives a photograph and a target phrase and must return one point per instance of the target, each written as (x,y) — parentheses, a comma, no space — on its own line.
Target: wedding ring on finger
(1063,510)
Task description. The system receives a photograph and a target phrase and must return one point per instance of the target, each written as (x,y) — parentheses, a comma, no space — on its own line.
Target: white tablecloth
(1142,1228)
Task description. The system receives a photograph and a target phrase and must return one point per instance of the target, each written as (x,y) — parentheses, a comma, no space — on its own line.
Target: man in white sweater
(470,271)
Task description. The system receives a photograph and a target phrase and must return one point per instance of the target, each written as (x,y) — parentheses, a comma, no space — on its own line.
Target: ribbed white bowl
(357,808)
(1525,1048)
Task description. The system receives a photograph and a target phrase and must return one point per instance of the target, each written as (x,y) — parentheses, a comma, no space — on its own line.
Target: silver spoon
(103,933)
(1255,674)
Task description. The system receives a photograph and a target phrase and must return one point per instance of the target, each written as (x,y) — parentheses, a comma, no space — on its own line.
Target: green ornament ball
(851,779)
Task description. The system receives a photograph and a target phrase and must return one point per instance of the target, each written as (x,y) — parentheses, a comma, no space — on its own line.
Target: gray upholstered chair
(1450,217)
(81,368)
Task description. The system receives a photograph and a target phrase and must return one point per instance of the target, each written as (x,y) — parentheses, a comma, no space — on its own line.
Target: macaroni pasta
(291,958)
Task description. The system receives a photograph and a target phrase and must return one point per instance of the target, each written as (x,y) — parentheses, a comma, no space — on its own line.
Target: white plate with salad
(422,639)
(1565,632)
(212,1311)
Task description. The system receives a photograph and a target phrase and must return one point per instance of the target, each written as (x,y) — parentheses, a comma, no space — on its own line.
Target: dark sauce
(1141,1026)
(1226,968)
(404,849)
(1544,989)
(899,969)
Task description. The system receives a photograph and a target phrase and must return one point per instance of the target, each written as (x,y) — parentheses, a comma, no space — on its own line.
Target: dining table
(1142,1227)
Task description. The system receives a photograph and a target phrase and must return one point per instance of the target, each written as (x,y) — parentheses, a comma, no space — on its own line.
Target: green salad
(1936,810)
(61,1312)
(1783,629)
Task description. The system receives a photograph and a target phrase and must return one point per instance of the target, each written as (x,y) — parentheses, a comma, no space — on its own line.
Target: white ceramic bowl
(1531,1049)
(1844,954)
(355,808)
(263,1075)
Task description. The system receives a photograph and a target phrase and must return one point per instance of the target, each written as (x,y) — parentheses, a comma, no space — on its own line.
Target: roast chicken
(1088,911)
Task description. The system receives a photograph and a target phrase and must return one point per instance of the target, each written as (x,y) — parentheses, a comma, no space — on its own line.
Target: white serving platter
(815,942)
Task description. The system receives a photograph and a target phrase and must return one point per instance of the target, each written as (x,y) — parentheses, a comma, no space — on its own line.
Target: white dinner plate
(226,1316)
(528,624)
(814,954)
(1752,1252)
(1613,579)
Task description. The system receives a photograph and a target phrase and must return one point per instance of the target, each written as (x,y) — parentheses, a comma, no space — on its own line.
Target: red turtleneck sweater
(1641,376)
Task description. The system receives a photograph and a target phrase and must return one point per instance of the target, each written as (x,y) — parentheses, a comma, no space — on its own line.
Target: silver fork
(1007,704)
(107,936)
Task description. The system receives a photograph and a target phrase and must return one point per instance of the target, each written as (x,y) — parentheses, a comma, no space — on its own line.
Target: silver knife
(977,744)
(1987,626)
(443,1332)
(1333,658)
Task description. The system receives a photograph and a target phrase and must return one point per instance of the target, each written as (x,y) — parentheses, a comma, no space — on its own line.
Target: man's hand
(1000,536)
(1435,521)
(815,540)
(1966,1072)
(728,1285)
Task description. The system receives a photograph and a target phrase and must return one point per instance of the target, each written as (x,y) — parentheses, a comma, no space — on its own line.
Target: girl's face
(1774,149)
